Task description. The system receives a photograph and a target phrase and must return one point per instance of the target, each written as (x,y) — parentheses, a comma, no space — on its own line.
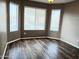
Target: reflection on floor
(35,49)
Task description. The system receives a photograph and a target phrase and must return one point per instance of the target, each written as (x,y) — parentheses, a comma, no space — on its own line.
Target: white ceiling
(56,1)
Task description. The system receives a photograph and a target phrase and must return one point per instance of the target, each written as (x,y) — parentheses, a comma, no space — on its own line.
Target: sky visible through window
(13,17)
(34,18)
(55,20)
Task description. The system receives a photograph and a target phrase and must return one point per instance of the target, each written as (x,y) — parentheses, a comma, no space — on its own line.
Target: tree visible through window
(34,18)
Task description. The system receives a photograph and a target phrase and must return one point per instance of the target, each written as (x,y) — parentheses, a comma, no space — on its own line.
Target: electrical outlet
(25,33)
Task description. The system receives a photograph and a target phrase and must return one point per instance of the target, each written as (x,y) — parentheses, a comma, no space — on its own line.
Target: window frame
(35,18)
(17,17)
(59,20)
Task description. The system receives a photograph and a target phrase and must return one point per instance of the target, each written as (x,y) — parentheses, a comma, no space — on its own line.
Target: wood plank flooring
(35,49)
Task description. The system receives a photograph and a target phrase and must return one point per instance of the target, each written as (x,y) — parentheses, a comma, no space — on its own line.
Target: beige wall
(34,33)
(13,35)
(54,34)
(70,26)
(3,27)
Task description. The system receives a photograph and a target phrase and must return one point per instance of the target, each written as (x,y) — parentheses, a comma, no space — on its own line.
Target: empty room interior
(39,29)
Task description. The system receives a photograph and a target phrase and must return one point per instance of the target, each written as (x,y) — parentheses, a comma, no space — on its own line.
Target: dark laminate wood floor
(35,49)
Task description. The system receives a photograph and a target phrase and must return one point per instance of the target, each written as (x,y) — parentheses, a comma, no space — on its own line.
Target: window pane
(29,18)
(34,18)
(55,18)
(40,19)
(13,17)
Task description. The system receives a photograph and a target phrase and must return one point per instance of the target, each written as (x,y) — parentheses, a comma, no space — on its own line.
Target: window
(13,17)
(34,18)
(55,19)
(40,19)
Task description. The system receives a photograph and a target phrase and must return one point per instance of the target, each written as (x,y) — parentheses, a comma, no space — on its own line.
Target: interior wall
(13,36)
(70,26)
(34,33)
(54,34)
(3,27)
